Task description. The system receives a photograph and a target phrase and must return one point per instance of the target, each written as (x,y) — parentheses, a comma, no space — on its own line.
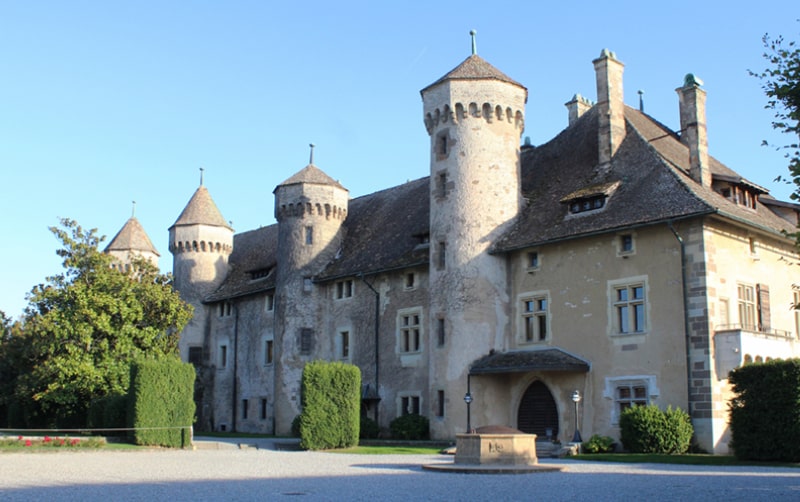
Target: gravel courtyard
(262,474)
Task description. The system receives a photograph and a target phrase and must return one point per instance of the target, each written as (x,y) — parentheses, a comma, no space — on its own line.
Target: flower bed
(35,442)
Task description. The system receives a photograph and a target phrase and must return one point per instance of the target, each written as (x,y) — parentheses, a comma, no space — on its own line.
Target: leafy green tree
(84,327)
(781,84)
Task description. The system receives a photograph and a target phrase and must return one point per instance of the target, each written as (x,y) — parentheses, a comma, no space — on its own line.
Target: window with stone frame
(306,341)
(343,344)
(344,289)
(630,308)
(196,355)
(534,318)
(747,306)
(628,391)
(409,405)
(629,395)
(269,354)
(269,302)
(223,356)
(409,331)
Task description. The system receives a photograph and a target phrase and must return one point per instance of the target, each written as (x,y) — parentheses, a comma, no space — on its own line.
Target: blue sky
(103,103)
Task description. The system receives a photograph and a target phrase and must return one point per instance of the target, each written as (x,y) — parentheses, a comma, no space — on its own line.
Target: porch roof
(521,361)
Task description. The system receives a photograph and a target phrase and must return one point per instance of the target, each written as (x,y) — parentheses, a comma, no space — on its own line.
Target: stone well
(496,445)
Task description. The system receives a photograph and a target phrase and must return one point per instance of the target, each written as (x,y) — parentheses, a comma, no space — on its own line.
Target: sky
(105,103)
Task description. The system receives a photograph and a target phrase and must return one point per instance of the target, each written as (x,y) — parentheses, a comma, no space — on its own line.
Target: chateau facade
(619,260)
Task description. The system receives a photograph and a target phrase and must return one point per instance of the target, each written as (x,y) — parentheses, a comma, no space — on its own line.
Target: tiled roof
(475,68)
(252,264)
(201,210)
(550,359)
(311,174)
(132,237)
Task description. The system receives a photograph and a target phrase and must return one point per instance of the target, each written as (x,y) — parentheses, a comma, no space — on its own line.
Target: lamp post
(468,400)
(576,398)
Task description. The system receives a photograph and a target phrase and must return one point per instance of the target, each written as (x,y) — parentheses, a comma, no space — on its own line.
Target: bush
(598,444)
(160,404)
(109,412)
(412,427)
(331,404)
(369,428)
(296,426)
(647,429)
(765,411)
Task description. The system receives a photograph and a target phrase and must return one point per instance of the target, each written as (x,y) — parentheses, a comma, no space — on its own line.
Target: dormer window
(260,273)
(738,190)
(591,198)
(590,204)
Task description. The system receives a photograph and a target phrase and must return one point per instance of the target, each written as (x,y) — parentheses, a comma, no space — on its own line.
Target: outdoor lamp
(576,398)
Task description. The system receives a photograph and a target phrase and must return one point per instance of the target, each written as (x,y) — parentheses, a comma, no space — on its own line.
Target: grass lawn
(688,459)
(389,450)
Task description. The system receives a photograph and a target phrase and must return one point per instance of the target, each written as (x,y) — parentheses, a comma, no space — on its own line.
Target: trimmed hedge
(411,427)
(160,404)
(648,429)
(765,411)
(331,405)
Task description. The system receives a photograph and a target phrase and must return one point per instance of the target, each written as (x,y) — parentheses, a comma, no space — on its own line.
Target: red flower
(74,442)
(47,439)
(19,437)
(27,442)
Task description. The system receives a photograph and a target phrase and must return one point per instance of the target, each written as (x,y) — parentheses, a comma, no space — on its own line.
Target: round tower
(201,242)
(475,118)
(131,242)
(310,208)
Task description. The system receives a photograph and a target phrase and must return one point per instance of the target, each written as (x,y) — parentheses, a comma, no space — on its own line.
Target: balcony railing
(756,330)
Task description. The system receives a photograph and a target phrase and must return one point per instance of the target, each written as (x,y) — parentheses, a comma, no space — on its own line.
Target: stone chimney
(576,107)
(693,128)
(610,104)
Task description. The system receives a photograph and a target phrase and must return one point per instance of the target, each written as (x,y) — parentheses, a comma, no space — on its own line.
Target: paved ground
(225,472)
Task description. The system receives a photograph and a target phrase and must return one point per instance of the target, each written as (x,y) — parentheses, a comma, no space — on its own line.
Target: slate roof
(647,183)
(201,210)
(311,174)
(475,68)
(550,359)
(132,237)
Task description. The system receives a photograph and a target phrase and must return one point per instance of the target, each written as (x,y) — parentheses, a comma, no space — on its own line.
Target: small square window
(440,331)
(223,356)
(533,260)
(263,414)
(245,405)
(196,355)
(307,284)
(309,235)
(269,303)
(411,280)
(626,243)
(440,403)
(269,347)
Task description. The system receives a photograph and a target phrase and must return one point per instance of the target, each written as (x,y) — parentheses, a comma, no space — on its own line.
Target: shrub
(160,404)
(296,427)
(369,428)
(109,412)
(598,444)
(647,429)
(411,427)
(765,411)
(331,404)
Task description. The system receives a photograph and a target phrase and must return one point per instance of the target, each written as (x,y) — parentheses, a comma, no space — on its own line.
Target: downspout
(685,283)
(235,364)
(377,338)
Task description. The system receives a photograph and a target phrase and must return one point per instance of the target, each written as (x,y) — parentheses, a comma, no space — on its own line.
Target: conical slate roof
(201,210)
(311,174)
(475,68)
(132,237)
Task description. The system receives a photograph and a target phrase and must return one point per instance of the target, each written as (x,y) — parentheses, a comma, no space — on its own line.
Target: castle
(617,264)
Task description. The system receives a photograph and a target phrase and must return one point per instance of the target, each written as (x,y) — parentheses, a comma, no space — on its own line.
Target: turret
(474,116)
(131,242)
(200,241)
(310,208)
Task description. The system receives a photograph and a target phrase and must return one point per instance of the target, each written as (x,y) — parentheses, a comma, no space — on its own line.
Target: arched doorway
(537,411)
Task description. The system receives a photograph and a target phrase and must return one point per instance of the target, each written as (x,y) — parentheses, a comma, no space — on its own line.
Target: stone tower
(310,208)
(475,118)
(200,241)
(131,241)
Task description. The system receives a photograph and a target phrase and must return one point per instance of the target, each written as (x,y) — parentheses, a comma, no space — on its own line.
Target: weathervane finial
(133,210)
(472,34)
(311,155)
(201,176)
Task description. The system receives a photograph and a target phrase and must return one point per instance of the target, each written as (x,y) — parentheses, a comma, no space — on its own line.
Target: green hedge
(648,429)
(331,405)
(765,411)
(411,427)
(109,412)
(160,404)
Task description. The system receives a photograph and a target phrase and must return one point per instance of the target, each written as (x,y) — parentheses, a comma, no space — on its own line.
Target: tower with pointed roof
(131,241)
(201,242)
(310,208)
(474,116)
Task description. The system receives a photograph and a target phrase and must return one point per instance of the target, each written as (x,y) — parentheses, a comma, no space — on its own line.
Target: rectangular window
(440,334)
(196,355)
(626,244)
(410,333)
(442,182)
(344,344)
(344,289)
(309,236)
(268,351)
(245,405)
(534,318)
(764,314)
(796,307)
(409,405)
(307,284)
(411,280)
(630,395)
(629,304)
(441,258)
(263,414)
(724,313)
(269,303)
(306,341)
(747,306)
(533,260)
(223,356)
(225,309)
(439,403)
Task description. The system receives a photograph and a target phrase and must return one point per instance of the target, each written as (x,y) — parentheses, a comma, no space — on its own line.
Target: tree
(84,327)
(781,84)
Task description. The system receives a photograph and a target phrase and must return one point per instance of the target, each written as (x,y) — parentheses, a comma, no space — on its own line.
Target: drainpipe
(235,364)
(377,337)
(685,282)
